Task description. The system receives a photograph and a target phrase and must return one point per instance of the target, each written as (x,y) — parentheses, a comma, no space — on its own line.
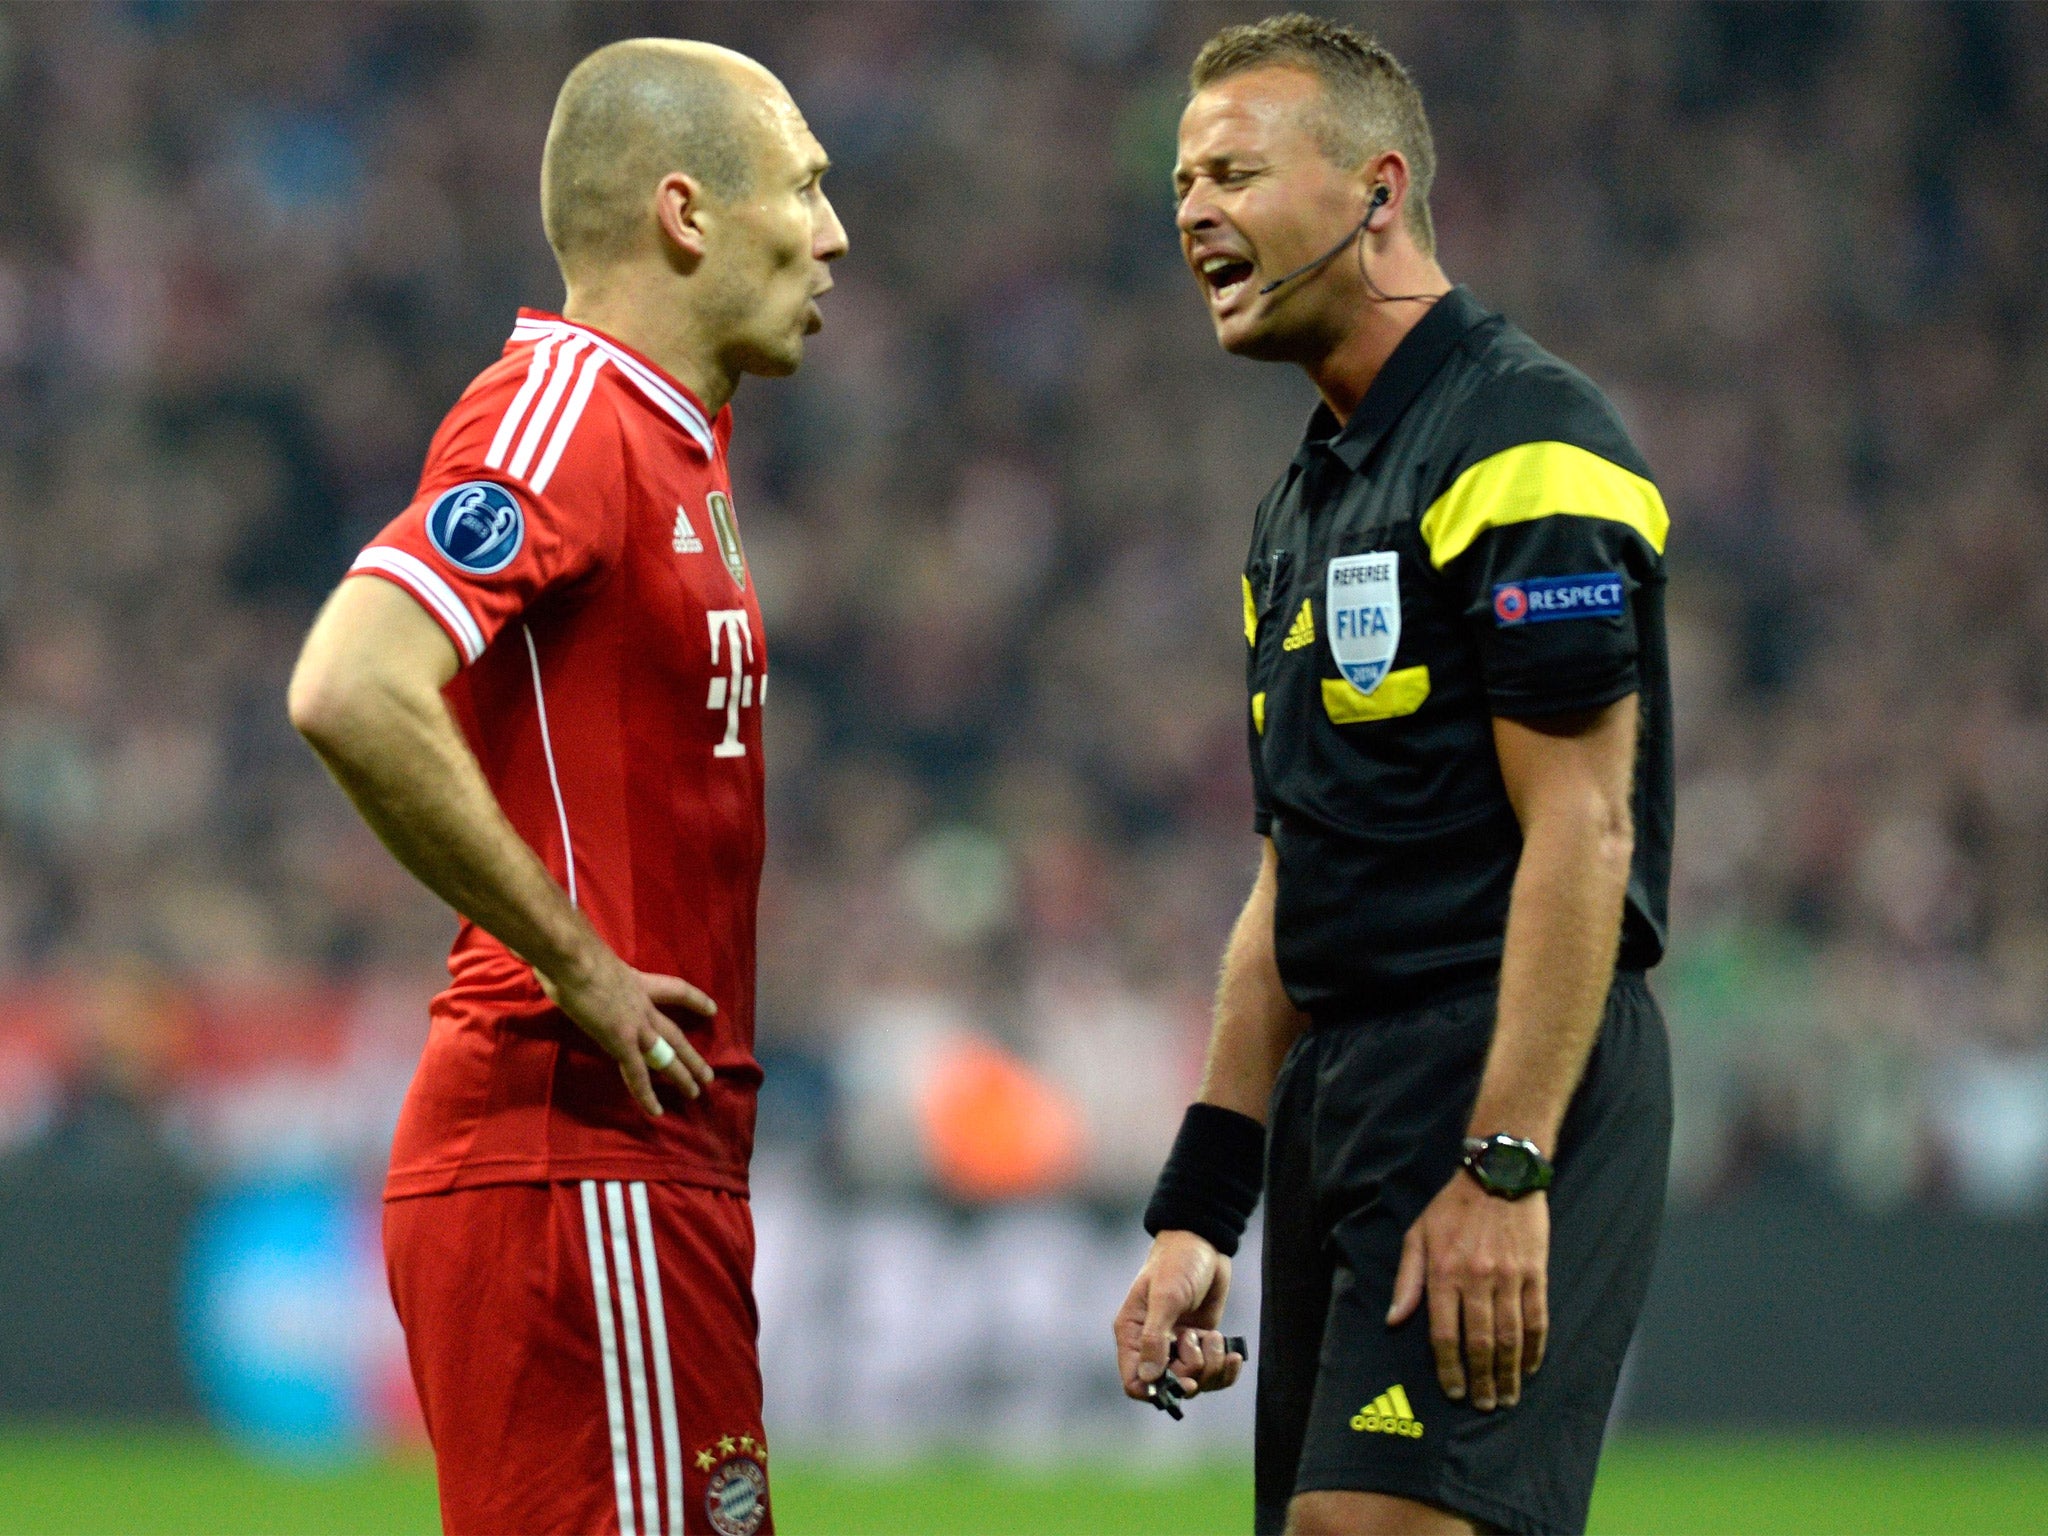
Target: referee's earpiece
(1381,194)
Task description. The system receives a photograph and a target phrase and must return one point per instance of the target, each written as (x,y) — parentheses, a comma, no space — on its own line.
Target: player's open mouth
(1226,277)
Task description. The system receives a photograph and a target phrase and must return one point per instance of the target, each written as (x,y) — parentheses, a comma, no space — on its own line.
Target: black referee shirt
(1481,539)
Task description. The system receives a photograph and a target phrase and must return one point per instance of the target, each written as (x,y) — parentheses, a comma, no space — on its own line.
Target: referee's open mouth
(1226,277)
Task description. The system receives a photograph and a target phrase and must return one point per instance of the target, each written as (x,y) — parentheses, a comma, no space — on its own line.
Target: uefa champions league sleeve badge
(477,527)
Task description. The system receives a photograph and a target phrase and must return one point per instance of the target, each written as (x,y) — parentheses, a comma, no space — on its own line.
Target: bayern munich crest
(477,527)
(736,1492)
(728,531)
(736,1501)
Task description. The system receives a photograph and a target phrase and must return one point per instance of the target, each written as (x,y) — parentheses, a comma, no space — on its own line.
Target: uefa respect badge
(1362,600)
(477,527)
(1540,599)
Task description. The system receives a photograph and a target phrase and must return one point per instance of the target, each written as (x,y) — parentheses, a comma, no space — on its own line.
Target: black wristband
(1210,1184)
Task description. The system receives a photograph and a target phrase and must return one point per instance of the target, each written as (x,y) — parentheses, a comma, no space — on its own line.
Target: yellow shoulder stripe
(1259,712)
(1251,613)
(1532,480)
(1399,693)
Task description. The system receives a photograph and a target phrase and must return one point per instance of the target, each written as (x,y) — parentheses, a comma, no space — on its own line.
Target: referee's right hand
(1178,1296)
(621,1009)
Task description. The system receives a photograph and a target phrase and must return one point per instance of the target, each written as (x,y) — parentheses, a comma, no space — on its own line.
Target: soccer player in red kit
(542,686)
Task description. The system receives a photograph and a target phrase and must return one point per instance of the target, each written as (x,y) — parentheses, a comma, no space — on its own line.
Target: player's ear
(679,212)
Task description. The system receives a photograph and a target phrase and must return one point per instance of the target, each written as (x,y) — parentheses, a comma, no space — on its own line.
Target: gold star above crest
(725,1445)
(747,1443)
(706,1461)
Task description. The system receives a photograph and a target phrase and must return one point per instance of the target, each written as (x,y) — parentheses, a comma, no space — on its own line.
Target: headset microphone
(1380,194)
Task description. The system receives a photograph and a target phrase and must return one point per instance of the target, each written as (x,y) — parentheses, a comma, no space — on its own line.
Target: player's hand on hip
(1174,1308)
(624,1011)
(1484,1263)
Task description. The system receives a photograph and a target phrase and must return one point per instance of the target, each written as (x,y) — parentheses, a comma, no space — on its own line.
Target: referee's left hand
(1485,1263)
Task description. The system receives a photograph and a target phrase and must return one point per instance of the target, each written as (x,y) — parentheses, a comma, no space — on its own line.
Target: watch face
(1508,1168)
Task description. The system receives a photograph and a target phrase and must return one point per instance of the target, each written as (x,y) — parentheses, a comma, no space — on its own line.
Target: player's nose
(830,243)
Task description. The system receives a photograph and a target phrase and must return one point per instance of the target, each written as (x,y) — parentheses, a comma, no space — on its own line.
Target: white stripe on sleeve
(516,411)
(426,584)
(601,1287)
(586,377)
(658,391)
(559,375)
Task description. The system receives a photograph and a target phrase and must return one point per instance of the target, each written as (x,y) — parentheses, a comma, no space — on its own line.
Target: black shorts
(1365,1130)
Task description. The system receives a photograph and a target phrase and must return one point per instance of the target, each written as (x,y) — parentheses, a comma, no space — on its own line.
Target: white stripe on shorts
(664,1375)
(636,1363)
(615,1411)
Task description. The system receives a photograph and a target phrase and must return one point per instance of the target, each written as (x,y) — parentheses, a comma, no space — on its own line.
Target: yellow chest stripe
(1399,693)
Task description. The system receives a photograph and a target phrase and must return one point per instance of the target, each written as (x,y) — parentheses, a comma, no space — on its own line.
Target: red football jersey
(574,534)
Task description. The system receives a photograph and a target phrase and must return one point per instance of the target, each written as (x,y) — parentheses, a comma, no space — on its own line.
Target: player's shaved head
(630,114)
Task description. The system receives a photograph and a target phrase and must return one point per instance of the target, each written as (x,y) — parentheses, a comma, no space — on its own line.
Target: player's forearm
(1563,931)
(396,752)
(1256,1023)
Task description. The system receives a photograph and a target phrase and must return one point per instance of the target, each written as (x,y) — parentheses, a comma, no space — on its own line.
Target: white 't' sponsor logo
(732,633)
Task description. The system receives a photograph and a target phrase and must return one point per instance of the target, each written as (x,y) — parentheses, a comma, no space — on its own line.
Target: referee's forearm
(1256,1023)
(1563,933)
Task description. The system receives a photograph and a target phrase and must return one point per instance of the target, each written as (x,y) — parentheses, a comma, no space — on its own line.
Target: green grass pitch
(66,1483)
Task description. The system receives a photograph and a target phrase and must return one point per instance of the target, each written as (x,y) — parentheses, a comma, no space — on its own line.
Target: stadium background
(248,254)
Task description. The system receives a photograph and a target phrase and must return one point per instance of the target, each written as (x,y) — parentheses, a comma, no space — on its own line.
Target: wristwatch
(1507,1166)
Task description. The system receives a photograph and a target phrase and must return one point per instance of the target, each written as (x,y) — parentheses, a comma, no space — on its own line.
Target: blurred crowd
(250,254)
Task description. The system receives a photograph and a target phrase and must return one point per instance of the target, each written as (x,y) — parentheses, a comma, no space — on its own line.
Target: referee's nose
(1196,214)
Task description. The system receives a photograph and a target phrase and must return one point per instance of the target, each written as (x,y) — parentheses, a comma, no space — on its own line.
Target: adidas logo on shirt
(1303,631)
(1388,1414)
(686,541)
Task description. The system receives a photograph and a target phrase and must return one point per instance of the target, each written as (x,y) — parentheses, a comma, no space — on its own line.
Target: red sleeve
(523,493)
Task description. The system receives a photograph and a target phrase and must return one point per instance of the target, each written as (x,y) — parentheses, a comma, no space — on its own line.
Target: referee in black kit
(1460,728)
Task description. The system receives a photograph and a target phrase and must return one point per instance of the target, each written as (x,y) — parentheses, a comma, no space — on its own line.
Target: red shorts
(585,1356)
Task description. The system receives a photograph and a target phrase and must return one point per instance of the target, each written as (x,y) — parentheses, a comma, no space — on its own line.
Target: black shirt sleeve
(1551,604)
(1546,542)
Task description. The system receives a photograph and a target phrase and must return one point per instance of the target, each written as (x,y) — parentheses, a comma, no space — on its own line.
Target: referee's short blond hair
(1370,104)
